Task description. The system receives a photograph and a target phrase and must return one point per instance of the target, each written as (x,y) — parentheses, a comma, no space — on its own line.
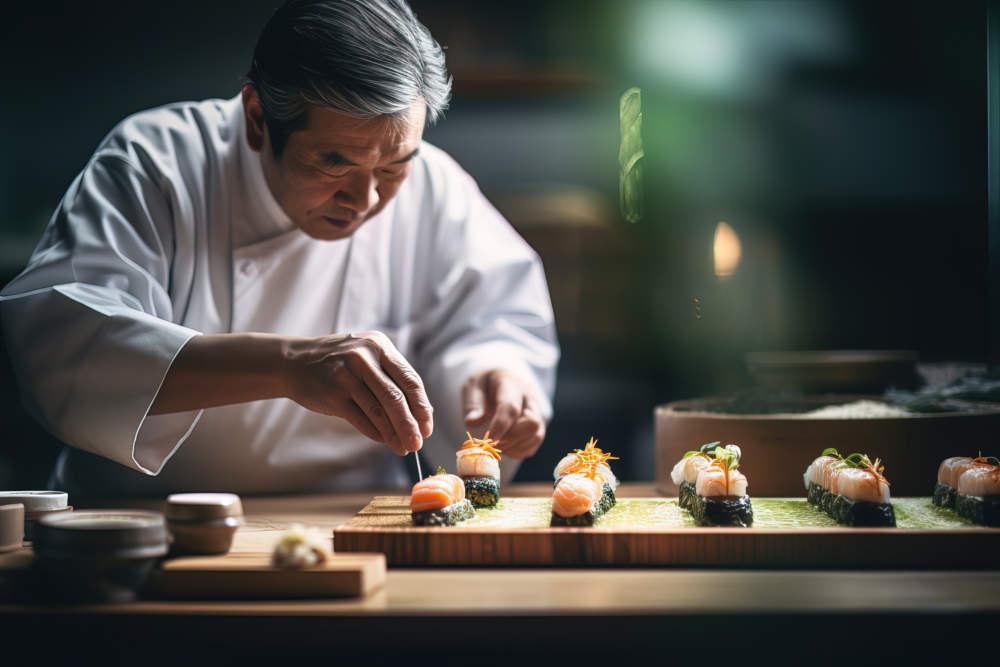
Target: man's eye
(330,173)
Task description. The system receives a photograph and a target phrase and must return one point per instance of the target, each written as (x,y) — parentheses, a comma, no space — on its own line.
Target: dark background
(844,142)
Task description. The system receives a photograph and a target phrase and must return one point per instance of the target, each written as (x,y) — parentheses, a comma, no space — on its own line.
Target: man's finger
(373,411)
(392,401)
(507,400)
(408,380)
(474,403)
(524,437)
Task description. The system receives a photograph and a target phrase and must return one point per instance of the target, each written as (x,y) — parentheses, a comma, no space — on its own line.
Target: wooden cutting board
(787,532)
(244,576)
(249,576)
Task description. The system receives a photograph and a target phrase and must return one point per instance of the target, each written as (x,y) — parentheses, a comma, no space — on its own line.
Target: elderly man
(252,294)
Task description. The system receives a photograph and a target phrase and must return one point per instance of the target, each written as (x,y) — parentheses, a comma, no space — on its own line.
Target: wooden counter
(528,613)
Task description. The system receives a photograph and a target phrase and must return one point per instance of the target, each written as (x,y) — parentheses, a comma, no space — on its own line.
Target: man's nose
(359,193)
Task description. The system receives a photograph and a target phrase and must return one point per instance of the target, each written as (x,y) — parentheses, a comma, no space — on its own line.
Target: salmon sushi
(576,499)
(582,460)
(478,464)
(720,497)
(439,500)
(977,496)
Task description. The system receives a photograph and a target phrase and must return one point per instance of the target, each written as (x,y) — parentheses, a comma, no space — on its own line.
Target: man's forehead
(329,131)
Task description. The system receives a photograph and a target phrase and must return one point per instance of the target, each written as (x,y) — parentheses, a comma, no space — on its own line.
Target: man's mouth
(338,223)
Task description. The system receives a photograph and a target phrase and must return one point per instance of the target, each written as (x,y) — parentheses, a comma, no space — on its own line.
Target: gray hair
(362,58)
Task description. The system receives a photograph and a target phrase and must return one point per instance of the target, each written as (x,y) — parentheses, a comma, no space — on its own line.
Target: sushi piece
(479,467)
(949,472)
(685,472)
(852,490)
(977,496)
(817,477)
(721,491)
(577,499)
(581,460)
(439,500)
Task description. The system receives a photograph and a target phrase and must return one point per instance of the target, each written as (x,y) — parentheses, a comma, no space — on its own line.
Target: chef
(288,290)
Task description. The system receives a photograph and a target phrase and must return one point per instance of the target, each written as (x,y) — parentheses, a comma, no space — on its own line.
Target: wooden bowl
(777,448)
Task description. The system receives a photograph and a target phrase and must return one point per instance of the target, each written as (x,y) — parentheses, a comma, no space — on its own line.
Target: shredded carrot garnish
(590,454)
(876,469)
(486,443)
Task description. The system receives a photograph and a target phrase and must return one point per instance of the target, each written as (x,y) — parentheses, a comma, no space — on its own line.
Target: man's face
(338,171)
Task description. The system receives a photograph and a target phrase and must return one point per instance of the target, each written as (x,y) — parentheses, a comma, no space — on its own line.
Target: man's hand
(364,379)
(508,407)
(360,377)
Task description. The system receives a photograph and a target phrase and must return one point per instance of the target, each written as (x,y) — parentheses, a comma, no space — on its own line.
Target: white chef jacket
(171,231)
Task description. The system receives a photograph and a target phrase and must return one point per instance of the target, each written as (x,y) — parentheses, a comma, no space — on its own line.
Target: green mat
(664,513)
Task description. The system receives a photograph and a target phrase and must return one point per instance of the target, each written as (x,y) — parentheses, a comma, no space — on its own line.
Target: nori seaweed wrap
(586,519)
(944,495)
(482,491)
(984,510)
(862,514)
(722,511)
(446,516)
(686,495)
(815,493)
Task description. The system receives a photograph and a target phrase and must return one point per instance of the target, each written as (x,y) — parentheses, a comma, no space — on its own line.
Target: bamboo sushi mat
(787,532)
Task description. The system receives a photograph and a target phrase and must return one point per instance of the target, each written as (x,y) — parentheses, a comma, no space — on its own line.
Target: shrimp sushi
(852,490)
(720,497)
(439,500)
(977,496)
(576,499)
(479,467)
(949,472)
(582,460)
(685,473)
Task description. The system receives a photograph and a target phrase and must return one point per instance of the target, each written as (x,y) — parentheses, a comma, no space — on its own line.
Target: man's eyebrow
(407,158)
(334,159)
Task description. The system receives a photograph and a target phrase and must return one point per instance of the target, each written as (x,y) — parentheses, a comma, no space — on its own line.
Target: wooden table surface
(534,610)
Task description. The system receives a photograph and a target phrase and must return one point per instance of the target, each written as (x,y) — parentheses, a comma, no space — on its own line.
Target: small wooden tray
(788,532)
(249,576)
(243,576)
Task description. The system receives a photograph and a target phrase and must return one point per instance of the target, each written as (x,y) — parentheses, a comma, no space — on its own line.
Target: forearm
(223,369)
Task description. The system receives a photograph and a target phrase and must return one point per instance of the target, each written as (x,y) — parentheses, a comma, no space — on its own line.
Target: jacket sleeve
(489,308)
(89,322)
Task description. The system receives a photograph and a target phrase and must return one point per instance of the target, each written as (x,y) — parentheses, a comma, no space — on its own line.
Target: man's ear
(253,112)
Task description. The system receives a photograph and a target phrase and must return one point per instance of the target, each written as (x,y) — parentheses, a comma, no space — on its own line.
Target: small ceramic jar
(11,527)
(203,523)
(98,555)
(36,505)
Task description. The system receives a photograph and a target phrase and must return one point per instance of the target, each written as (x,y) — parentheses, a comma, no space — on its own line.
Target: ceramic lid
(203,506)
(101,533)
(36,501)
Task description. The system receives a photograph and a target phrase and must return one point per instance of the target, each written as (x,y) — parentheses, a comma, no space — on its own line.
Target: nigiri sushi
(576,500)
(582,460)
(721,491)
(949,472)
(977,495)
(439,500)
(853,489)
(479,467)
(685,472)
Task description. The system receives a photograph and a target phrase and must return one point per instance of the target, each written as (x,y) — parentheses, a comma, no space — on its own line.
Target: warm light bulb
(726,250)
